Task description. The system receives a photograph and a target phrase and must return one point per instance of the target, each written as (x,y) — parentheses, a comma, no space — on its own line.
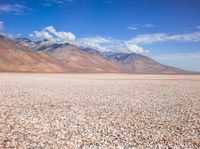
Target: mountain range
(25,55)
(16,58)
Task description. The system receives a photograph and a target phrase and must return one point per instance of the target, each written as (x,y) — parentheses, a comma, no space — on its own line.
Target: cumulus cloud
(162,37)
(52,35)
(135,48)
(103,44)
(149,38)
(98,43)
(14,8)
(42,35)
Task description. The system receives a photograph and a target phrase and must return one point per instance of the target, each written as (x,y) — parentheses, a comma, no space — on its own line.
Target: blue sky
(166,30)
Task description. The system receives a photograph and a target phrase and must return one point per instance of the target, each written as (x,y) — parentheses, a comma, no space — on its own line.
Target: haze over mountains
(24,55)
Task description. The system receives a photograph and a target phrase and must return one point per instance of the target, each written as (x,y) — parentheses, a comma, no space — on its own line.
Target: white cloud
(18,35)
(7,35)
(57,2)
(133,27)
(98,43)
(52,35)
(109,45)
(137,26)
(135,48)
(149,38)
(61,35)
(43,35)
(149,25)
(162,37)
(14,8)
(1,25)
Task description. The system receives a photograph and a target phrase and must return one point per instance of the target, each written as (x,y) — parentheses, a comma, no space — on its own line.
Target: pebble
(94,111)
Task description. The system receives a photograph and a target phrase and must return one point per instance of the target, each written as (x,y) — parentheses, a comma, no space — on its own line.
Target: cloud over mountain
(103,44)
(99,43)
(52,35)
(135,48)
(162,37)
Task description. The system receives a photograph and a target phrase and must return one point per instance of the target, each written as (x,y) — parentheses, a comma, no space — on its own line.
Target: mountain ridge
(71,60)
(16,58)
(86,60)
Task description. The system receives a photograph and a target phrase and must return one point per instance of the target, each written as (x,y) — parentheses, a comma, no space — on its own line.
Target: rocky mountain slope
(73,57)
(47,57)
(15,58)
(137,63)
(79,59)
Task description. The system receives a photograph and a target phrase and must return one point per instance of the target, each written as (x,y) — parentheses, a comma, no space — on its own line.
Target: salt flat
(99,111)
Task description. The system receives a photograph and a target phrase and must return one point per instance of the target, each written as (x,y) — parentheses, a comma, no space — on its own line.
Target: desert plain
(100,111)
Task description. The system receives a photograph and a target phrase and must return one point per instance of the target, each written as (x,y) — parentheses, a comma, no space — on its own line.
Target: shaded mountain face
(74,58)
(141,64)
(79,60)
(137,63)
(36,45)
(15,58)
(91,60)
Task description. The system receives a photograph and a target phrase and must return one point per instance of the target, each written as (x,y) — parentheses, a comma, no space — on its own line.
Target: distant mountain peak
(82,59)
(17,58)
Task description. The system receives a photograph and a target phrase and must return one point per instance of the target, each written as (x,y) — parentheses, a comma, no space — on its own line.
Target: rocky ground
(99,111)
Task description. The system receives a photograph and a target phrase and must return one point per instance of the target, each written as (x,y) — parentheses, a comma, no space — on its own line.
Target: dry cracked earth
(99,111)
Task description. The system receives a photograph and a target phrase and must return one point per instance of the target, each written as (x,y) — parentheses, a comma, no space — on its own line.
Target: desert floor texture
(114,111)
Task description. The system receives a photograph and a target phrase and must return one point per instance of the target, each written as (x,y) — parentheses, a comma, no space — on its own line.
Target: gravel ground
(99,111)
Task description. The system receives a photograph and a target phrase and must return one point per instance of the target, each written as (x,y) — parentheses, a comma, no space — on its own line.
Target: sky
(166,30)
